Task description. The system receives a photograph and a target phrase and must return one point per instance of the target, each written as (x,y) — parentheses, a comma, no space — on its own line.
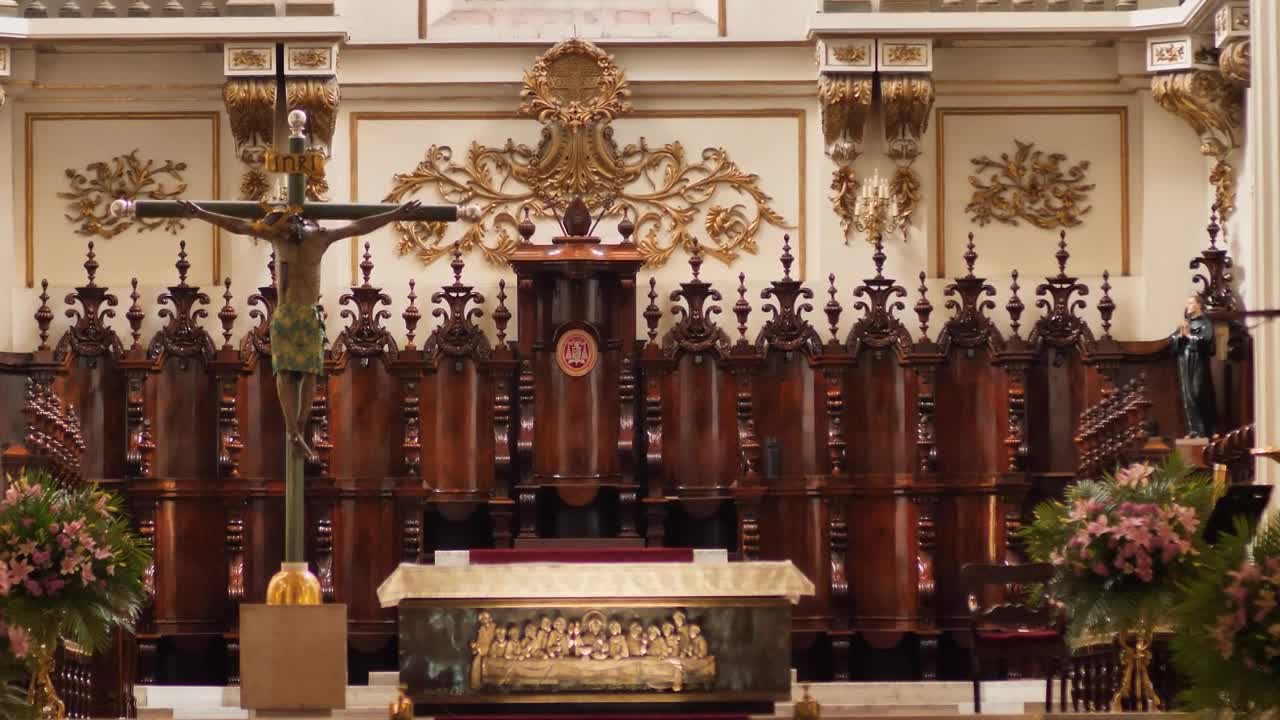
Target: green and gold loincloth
(297,339)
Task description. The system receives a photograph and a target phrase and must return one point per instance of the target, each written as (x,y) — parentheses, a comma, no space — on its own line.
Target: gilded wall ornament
(575,90)
(1030,186)
(905,54)
(853,54)
(1213,107)
(250,59)
(908,102)
(846,101)
(314,58)
(123,176)
(1235,61)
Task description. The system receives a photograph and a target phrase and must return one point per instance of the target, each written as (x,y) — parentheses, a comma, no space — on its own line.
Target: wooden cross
(294,232)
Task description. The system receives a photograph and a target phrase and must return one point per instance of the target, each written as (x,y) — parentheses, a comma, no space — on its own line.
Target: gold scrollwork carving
(846,101)
(1235,61)
(250,59)
(905,54)
(1029,186)
(251,108)
(123,176)
(575,90)
(908,102)
(853,54)
(525,653)
(318,97)
(1213,108)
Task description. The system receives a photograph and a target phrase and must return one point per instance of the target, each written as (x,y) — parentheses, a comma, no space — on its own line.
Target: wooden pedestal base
(293,658)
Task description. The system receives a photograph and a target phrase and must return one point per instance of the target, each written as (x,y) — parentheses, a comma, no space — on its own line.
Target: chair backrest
(978,577)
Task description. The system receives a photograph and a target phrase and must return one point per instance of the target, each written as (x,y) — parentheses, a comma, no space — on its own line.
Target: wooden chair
(1014,631)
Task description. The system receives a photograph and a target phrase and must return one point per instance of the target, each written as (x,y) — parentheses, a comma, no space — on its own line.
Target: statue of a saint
(1192,344)
(297,337)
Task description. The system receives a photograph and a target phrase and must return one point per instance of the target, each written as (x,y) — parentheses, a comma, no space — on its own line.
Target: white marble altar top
(594,580)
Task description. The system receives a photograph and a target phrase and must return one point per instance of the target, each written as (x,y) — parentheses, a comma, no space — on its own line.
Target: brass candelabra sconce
(876,212)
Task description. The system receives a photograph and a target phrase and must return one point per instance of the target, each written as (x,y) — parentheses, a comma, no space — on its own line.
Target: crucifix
(297,335)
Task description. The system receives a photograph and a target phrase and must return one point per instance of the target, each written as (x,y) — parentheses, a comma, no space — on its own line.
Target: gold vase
(1135,661)
(41,694)
(402,707)
(293,585)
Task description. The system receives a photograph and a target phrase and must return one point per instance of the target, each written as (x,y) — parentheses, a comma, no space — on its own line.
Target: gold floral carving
(593,652)
(905,55)
(1235,61)
(846,101)
(309,58)
(1213,107)
(1029,186)
(853,54)
(123,176)
(250,59)
(251,108)
(318,97)
(908,103)
(1169,52)
(575,90)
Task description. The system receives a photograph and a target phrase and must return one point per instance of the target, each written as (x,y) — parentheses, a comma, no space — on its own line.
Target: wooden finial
(651,312)
(366,265)
(91,264)
(786,258)
(1014,307)
(742,308)
(833,309)
(1106,306)
(526,227)
(1062,255)
(924,308)
(135,315)
(501,316)
(411,314)
(44,315)
(625,227)
(457,264)
(182,264)
(227,315)
(970,256)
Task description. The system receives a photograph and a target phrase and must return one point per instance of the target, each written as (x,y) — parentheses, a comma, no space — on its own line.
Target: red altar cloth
(580,555)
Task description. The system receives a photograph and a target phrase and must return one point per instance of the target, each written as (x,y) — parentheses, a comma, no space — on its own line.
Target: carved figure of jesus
(297,335)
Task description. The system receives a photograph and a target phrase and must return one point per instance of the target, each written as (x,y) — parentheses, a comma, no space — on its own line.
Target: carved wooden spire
(258,340)
(968,327)
(878,327)
(1060,327)
(787,330)
(694,332)
(182,337)
(365,337)
(626,227)
(89,335)
(526,228)
(458,336)
(1216,294)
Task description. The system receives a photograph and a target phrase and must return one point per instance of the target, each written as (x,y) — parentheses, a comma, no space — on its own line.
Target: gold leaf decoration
(575,90)
(123,176)
(856,54)
(1213,107)
(1029,186)
(908,102)
(845,101)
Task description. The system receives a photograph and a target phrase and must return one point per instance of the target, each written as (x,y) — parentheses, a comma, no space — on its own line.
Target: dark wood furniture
(1011,632)
(903,453)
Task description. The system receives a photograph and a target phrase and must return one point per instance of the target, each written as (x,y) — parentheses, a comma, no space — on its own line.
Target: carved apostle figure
(1192,344)
(297,336)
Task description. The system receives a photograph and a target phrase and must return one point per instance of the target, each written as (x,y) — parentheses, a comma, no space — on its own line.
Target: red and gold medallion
(576,353)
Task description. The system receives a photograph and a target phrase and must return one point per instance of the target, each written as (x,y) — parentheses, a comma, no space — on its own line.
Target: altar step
(901,701)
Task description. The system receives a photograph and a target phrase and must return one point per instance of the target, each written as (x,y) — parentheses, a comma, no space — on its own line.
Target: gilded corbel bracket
(251,108)
(907,101)
(1213,107)
(846,102)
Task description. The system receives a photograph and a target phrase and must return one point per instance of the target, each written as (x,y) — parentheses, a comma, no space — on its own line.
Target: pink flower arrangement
(1249,630)
(1133,538)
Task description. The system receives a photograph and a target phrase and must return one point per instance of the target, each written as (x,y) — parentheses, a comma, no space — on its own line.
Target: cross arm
(327,211)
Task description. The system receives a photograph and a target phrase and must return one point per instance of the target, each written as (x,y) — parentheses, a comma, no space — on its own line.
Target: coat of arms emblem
(576,353)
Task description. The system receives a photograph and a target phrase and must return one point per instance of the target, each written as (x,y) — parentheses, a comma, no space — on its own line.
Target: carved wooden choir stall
(879,460)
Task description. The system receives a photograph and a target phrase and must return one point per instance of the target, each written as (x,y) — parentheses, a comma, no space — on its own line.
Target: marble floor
(901,701)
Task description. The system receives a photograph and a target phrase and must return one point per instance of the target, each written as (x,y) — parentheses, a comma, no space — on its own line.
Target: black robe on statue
(1193,355)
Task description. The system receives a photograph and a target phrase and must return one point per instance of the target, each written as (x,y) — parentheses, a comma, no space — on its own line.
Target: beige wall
(756,102)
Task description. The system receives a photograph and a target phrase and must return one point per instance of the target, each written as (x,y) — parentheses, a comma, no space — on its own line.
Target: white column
(1264,145)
